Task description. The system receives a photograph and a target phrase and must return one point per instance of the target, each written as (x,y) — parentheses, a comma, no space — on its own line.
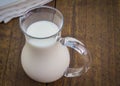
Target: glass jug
(45,58)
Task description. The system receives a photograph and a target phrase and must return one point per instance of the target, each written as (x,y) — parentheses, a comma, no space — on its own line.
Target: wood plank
(85,25)
(5,38)
(13,56)
(101,23)
(111,58)
(84,12)
(116,23)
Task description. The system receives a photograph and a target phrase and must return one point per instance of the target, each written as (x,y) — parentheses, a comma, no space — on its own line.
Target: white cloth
(11,11)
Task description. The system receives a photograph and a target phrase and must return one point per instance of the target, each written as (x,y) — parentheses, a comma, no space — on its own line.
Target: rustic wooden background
(95,22)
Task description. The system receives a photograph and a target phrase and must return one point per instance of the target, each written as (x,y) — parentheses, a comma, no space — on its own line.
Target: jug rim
(38,7)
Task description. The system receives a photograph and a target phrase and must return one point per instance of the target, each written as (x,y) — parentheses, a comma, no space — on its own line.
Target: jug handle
(81,49)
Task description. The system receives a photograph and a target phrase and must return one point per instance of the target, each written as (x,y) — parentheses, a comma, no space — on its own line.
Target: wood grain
(5,37)
(95,22)
(116,26)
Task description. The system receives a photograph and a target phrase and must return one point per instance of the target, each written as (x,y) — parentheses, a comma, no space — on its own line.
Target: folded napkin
(16,9)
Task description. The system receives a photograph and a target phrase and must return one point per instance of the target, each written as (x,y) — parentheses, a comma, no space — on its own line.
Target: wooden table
(95,22)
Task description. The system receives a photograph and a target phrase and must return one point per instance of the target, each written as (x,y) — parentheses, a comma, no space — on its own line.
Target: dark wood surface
(95,22)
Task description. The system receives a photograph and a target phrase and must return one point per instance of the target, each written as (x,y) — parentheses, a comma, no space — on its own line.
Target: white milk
(42,29)
(44,64)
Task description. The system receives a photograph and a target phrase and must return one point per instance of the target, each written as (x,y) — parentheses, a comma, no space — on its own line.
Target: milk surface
(42,29)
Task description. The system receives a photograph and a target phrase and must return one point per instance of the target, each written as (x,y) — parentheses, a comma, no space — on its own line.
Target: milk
(42,29)
(44,64)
